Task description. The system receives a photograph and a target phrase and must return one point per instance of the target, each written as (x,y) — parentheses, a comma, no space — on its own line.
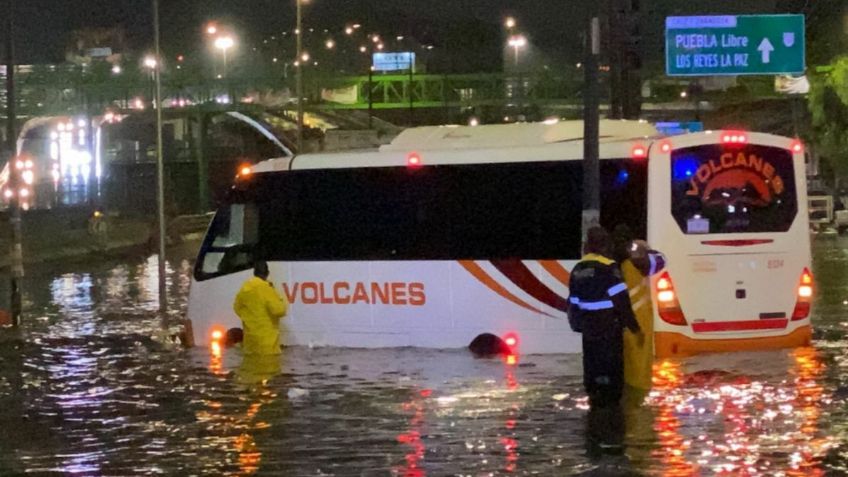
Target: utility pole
(160,162)
(591,129)
(299,79)
(14,172)
(410,90)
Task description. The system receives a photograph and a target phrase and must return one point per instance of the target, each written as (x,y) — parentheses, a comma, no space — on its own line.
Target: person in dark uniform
(599,308)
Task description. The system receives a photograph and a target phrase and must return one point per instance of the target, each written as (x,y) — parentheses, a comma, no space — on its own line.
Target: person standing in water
(260,309)
(638,263)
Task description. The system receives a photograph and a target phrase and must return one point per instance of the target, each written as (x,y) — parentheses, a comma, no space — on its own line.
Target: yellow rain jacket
(638,350)
(260,308)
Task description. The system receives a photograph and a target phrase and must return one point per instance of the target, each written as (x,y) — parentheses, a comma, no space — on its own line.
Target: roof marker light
(734,137)
(797,146)
(665,146)
(639,152)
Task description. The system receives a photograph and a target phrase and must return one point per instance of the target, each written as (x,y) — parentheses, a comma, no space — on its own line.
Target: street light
(211,29)
(150,62)
(509,23)
(517,42)
(224,43)
(330,44)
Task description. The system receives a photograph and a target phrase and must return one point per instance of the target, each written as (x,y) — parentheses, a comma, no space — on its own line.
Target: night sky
(43,26)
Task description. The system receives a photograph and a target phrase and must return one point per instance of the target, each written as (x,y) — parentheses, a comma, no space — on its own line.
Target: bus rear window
(747,189)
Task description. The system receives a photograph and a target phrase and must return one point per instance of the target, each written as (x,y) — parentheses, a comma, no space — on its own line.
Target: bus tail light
(511,340)
(805,296)
(667,304)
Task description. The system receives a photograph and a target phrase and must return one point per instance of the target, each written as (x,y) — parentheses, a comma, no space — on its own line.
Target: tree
(828,104)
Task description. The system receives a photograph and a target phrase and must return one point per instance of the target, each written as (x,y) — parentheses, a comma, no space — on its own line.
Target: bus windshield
(746,189)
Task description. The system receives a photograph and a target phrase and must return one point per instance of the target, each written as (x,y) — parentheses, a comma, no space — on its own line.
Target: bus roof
(519,142)
(430,138)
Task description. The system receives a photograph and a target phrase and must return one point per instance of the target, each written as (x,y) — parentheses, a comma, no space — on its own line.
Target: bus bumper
(675,345)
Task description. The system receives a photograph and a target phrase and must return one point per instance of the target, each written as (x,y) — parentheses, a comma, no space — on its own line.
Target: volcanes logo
(346,293)
(738,178)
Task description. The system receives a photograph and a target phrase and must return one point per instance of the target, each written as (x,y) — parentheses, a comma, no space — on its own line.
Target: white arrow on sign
(766,48)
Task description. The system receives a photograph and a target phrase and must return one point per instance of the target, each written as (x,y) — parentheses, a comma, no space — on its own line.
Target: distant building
(96,44)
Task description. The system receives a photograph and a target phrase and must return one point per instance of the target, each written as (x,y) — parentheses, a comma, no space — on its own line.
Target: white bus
(451,232)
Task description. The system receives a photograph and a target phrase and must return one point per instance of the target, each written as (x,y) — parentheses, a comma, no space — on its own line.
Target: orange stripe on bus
(477,272)
(558,271)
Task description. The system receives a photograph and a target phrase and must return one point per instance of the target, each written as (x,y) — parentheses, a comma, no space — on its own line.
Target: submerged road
(92,386)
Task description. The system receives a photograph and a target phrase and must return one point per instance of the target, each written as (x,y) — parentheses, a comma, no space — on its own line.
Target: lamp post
(591,129)
(299,75)
(160,162)
(14,174)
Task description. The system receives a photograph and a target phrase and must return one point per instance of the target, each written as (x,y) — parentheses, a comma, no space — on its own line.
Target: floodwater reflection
(92,386)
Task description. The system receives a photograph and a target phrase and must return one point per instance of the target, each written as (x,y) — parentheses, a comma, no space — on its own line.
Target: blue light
(685,167)
(622,177)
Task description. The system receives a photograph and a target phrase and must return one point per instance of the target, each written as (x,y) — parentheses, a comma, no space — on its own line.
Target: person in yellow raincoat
(260,308)
(638,264)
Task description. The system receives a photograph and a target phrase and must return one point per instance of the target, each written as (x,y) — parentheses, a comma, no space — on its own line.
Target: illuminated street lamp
(517,42)
(116,69)
(211,29)
(224,43)
(509,23)
(330,44)
(150,62)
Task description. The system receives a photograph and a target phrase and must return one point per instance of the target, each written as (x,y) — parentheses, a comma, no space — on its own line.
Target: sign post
(734,45)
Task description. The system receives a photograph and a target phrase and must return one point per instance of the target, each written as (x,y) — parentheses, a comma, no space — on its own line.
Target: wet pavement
(92,386)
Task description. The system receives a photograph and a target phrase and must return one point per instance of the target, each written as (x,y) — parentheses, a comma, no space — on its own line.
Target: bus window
(717,189)
(230,243)
(624,195)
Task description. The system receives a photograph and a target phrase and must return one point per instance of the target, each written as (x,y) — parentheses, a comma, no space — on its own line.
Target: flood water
(91,385)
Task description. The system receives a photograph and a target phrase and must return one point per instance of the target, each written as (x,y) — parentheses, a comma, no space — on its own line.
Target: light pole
(299,75)
(160,162)
(591,129)
(14,173)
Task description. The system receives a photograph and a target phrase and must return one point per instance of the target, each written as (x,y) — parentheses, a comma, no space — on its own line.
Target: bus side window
(233,236)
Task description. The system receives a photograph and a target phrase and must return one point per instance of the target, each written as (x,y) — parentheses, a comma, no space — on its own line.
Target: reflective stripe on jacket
(599,305)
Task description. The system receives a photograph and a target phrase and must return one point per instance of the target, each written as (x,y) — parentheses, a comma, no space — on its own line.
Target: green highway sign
(734,45)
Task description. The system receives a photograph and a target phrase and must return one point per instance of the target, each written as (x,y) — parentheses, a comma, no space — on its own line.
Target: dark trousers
(603,368)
